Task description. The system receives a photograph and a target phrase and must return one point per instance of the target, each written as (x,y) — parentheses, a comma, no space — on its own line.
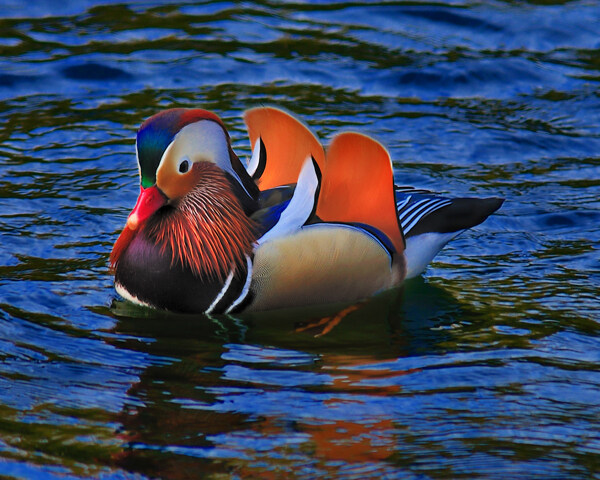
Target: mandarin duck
(298,226)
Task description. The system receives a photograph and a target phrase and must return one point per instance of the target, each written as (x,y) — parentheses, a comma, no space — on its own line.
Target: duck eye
(184,166)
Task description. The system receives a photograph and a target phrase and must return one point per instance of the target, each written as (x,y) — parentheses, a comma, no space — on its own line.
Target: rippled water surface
(486,367)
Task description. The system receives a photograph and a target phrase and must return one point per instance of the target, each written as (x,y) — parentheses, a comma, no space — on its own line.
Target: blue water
(486,367)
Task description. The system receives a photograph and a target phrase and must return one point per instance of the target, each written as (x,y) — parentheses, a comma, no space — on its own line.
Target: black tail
(421,211)
(461,214)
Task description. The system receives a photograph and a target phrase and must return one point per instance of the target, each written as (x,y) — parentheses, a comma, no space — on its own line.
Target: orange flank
(358,186)
(288,144)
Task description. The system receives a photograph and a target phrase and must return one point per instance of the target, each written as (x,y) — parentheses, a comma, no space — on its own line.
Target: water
(486,367)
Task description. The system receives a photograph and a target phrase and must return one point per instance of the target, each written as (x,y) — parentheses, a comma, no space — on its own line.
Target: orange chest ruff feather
(206,231)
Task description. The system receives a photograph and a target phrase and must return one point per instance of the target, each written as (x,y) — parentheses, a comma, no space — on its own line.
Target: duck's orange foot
(326,324)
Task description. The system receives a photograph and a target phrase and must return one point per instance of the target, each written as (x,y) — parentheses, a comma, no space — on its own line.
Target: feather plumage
(299,227)
(207,231)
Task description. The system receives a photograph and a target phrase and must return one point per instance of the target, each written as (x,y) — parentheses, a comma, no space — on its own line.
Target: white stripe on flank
(255,159)
(300,206)
(246,288)
(221,293)
(432,208)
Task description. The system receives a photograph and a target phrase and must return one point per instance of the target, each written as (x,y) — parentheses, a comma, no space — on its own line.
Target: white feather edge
(255,159)
(245,289)
(300,206)
(421,249)
(221,293)
(122,291)
(420,213)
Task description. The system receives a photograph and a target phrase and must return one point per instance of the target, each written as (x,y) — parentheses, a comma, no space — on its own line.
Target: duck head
(174,149)
(194,191)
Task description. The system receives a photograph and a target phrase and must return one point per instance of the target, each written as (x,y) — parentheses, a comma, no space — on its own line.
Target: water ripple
(484,367)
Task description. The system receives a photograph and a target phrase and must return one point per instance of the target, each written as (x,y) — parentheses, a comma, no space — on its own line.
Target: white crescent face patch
(202,141)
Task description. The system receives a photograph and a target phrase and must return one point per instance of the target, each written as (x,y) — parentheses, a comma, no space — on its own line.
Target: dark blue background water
(486,367)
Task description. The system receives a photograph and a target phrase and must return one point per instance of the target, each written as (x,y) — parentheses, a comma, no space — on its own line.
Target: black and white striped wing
(414,205)
(429,221)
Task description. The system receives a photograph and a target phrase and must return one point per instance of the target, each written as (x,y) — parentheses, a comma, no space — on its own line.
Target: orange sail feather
(288,143)
(358,186)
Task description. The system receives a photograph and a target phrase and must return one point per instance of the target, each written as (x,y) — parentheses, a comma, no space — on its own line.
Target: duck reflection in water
(224,393)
